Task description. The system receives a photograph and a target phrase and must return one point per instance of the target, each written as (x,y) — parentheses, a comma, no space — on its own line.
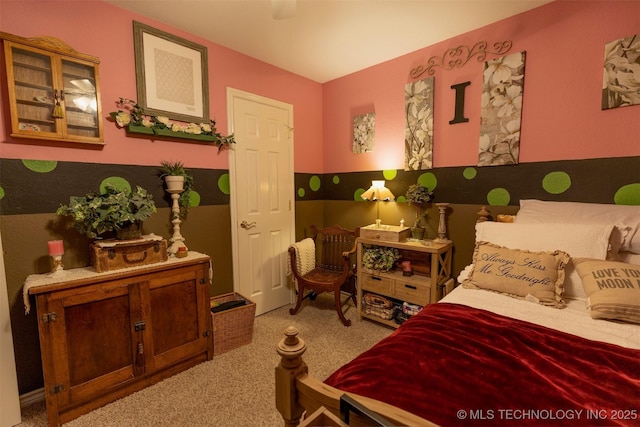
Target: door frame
(233,93)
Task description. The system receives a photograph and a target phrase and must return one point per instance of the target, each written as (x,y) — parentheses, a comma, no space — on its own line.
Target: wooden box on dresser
(106,335)
(420,288)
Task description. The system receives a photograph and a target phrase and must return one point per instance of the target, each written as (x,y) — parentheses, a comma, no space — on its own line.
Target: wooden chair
(333,272)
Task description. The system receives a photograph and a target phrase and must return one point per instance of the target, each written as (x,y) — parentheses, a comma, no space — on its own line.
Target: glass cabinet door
(33,94)
(80,99)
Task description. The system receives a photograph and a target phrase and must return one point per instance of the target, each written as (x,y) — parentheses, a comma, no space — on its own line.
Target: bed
(507,346)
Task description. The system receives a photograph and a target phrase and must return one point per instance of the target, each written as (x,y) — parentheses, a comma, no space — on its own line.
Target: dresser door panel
(174,305)
(95,351)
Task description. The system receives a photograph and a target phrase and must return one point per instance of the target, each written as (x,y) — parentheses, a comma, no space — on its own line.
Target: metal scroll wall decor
(501,110)
(459,56)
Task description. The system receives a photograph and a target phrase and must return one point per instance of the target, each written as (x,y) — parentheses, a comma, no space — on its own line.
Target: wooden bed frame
(297,391)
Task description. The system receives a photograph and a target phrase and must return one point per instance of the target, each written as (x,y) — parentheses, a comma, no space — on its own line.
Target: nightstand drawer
(411,291)
(376,284)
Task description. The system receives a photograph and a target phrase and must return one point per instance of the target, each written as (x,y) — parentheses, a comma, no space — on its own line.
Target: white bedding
(574,319)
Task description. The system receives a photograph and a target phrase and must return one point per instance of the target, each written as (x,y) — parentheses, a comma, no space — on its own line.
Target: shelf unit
(420,288)
(42,72)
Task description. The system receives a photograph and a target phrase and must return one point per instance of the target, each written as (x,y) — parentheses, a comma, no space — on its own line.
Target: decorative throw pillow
(534,276)
(613,289)
(578,240)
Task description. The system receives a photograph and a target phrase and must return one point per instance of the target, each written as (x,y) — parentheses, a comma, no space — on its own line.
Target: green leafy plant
(176,168)
(98,213)
(418,196)
(379,257)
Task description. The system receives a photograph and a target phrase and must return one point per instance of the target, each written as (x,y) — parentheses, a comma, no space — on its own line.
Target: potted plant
(113,210)
(177,179)
(379,257)
(418,196)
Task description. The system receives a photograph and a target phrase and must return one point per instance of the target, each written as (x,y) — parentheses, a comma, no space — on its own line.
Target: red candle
(56,247)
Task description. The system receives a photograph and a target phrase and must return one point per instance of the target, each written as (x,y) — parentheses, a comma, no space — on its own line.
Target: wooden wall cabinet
(42,72)
(106,335)
(420,289)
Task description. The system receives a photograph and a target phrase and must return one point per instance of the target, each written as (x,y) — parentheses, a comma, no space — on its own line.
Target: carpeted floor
(236,388)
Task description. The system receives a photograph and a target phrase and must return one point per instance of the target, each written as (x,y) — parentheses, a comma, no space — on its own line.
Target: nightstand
(420,288)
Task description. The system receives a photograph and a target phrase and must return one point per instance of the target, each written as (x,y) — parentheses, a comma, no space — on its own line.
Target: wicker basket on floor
(234,327)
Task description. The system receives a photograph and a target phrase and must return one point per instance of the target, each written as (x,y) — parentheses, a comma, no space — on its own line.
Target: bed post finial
(483,214)
(291,366)
(291,348)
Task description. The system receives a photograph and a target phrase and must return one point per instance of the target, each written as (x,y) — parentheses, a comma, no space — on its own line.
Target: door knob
(247,225)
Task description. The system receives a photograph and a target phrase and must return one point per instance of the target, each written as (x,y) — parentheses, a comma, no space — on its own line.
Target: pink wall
(562,120)
(102,30)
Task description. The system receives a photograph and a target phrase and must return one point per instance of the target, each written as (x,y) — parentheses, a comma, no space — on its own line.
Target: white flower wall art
(501,110)
(621,80)
(364,132)
(418,134)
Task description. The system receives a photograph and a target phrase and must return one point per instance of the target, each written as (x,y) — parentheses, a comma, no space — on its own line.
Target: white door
(9,399)
(262,197)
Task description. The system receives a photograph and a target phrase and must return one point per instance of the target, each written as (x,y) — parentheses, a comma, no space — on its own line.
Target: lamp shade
(378,191)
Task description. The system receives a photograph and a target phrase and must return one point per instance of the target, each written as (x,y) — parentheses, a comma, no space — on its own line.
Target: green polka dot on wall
(336,179)
(1,193)
(117,182)
(428,180)
(194,198)
(628,195)
(223,184)
(301,192)
(469,173)
(498,197)
(389,174)
(40,166)
(556,182)
(314,183)
(357,195)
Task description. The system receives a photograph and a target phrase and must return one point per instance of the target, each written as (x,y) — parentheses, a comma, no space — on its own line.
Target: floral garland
(130,113)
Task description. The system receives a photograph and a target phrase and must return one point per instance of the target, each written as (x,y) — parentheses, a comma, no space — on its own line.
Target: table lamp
(378,192)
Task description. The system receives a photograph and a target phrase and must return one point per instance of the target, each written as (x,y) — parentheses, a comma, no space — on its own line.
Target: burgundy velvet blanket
(456,365)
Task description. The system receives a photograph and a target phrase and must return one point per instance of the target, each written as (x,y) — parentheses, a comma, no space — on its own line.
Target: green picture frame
(172,76)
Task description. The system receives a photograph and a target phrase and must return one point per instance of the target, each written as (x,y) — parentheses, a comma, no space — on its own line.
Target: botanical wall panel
(418,135)
(501,111)
(621,80)
(364,132)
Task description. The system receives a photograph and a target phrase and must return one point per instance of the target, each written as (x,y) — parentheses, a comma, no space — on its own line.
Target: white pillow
(575,239)
(625,218)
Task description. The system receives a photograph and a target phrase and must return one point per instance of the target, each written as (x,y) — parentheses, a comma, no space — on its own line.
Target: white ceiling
(327,39)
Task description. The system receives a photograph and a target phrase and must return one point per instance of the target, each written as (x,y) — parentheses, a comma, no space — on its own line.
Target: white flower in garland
(123,118)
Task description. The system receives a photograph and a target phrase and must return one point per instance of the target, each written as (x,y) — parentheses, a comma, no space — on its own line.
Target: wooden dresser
(106,335)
